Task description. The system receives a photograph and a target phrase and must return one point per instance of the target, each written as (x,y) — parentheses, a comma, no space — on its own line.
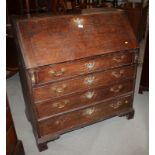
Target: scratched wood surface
(76,70)
(62,38)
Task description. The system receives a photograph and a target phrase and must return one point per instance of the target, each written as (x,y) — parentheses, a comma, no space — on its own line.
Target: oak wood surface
(72,64)
(62,88)
(80,100)
(47,40)
(84,116)
(66,70)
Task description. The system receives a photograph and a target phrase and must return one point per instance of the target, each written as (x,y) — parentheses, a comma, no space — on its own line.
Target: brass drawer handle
(60,122)
(59,89)
(57,122)
(89,80)
(57,73)
(116,89)
(90,65)
(60,104)
(89,94)
(116,105)
(89,111)
(126,101)
(117,74)
(118,59)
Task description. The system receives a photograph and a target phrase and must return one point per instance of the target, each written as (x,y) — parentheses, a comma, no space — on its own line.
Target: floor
(116,136)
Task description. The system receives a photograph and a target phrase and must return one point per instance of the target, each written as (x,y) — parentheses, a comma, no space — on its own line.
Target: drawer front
(81,83)
(86,98)
(11,141)
(85,116)
(70,69)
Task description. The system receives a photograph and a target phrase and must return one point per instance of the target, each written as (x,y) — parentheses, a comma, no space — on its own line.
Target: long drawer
(81,83)
(70,69)
(85,116)
(83,99)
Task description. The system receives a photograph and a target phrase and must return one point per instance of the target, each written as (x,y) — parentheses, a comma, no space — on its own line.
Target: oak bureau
(76,70)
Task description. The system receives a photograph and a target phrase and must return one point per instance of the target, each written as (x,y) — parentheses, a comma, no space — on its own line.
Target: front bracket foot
(42,147)
(129,115)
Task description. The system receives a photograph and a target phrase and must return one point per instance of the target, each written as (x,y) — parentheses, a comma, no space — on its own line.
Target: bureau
(75,70)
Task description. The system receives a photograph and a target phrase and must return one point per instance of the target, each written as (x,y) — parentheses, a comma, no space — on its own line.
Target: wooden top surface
(56,39)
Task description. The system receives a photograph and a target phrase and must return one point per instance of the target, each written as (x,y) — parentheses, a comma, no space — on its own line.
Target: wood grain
(76,70)
(47,40)
(83,66)
(84,116)
(73,102)
(89,81)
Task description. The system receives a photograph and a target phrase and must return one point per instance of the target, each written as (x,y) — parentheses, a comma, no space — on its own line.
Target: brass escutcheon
(89,94)
(89,80)
(90,65)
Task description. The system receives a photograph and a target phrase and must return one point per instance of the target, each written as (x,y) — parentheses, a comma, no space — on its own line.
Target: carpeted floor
(116,136)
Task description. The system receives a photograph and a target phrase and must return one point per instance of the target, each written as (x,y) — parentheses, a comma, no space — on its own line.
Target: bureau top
(56,39)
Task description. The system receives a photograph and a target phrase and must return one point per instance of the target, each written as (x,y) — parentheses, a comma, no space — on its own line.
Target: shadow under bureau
(76,70)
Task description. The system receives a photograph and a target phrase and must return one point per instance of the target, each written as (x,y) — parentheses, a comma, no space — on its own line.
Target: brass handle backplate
(59,89)
(57,73)
(89,80)
(89,94)
(118,59)
(60,104)
(116,89)
(90,65)
(118,104)
(89,111)
(117,74)
(60,122)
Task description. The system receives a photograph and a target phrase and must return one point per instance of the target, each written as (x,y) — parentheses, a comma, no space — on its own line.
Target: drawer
(81,83)
(85,116)
(70,69)
(11,140)
(83,99)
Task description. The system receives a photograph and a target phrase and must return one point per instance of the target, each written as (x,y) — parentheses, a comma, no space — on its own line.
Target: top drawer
(69,69)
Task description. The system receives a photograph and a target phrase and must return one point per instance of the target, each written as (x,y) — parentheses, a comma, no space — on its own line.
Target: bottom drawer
(85,116)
